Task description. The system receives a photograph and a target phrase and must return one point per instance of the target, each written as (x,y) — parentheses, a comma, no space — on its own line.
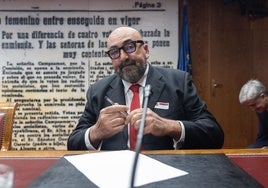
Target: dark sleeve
(262,136)
(76,140)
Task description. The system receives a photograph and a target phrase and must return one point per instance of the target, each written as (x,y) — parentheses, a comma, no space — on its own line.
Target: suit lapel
(116,93)
(154,78)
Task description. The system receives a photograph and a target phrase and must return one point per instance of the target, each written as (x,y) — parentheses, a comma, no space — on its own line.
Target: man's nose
(123,54)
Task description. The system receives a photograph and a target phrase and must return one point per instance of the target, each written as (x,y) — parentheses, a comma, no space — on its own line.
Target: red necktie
(135,103)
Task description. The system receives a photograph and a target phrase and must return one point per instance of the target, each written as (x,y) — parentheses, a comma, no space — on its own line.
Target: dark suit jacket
(170,86)
(262,137)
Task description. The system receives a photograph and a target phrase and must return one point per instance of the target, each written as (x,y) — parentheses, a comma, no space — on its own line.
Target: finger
(130,117)
(116,109)
(135,119)
(118,122)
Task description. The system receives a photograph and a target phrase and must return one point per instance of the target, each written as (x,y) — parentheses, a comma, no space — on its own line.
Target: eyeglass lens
(128,48)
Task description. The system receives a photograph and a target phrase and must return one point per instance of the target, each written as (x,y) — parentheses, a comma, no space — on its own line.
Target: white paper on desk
(114,168)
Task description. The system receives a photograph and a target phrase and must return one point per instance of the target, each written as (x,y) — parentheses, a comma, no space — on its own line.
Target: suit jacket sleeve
(201,128)
(112,87)
(76,140)
(176,88)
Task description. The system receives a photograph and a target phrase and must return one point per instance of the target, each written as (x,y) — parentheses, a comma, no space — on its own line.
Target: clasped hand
(111,121)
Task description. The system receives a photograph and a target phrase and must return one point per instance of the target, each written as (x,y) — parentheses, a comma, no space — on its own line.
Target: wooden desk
(28,165)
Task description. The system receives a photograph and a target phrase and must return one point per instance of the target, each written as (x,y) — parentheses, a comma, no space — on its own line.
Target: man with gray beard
(176,117)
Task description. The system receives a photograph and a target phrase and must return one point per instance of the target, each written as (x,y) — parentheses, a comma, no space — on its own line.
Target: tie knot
(135,88)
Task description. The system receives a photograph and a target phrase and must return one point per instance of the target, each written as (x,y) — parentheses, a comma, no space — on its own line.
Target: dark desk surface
(252,161)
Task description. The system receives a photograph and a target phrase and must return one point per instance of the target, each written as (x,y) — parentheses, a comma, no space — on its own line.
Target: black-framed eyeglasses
(129,48)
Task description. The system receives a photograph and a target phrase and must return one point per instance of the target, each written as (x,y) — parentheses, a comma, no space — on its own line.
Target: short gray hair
(251,90)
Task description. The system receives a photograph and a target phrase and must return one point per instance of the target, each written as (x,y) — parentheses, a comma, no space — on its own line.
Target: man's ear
(262,95)
(146,48)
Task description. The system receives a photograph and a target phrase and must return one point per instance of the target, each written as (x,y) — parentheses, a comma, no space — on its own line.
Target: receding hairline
(129,30)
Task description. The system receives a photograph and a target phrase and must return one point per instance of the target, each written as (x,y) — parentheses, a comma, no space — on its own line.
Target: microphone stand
(140,134)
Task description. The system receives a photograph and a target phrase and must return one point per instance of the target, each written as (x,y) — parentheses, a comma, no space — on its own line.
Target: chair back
(7,114)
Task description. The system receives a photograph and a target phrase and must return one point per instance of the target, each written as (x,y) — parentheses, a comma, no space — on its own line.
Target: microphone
(147,92)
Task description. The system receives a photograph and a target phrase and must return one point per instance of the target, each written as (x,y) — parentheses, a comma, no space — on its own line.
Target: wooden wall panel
(232,48)
(198,18)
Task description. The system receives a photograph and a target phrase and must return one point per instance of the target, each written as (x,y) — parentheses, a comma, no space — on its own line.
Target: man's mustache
(126,63)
